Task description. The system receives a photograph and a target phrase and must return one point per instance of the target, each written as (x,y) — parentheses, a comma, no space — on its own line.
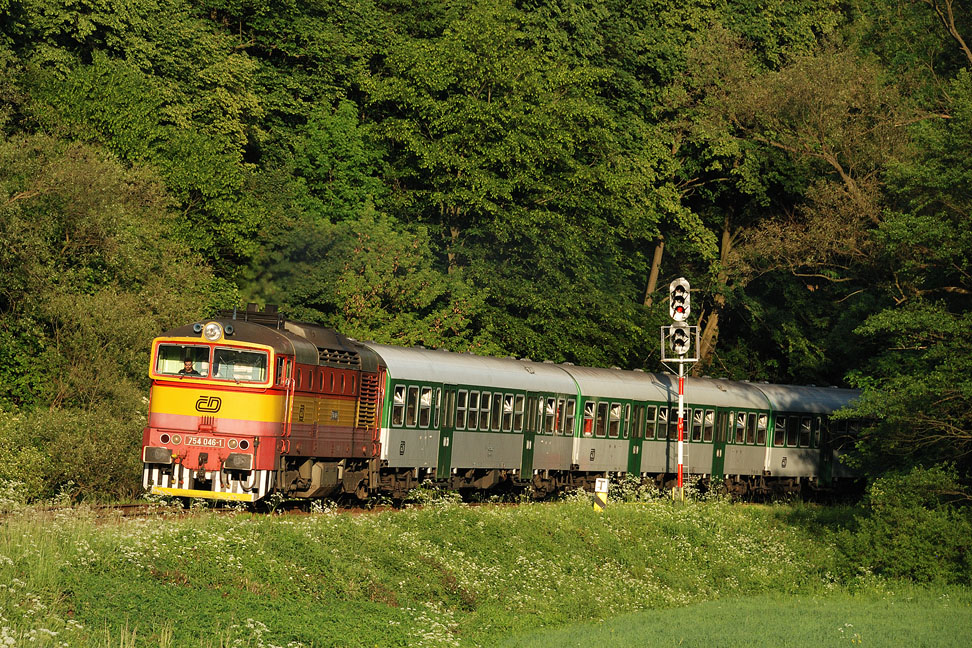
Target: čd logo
(208,404)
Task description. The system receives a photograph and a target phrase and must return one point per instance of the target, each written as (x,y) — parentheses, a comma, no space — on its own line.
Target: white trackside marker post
(601,487)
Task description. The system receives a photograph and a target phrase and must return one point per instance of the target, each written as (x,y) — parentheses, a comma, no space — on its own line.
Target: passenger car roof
(469,369)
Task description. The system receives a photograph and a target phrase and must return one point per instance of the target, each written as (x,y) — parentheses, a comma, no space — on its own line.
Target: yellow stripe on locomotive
(201,400)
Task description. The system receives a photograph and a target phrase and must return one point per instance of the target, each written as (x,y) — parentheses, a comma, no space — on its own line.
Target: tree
(154,84)
(802,150)
(90,273)
(918,388)
(374,279)
(339,163)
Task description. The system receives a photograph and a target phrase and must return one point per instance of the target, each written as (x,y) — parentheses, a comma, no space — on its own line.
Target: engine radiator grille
(368,402)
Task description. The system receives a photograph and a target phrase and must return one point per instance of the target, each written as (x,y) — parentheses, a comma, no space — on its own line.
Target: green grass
(904,616)
(445,575)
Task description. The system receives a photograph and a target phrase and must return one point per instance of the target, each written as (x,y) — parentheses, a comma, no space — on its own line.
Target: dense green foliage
(444,575)
(491,176)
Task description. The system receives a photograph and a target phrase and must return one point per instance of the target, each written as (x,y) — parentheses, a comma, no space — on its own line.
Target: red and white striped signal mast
(677,338)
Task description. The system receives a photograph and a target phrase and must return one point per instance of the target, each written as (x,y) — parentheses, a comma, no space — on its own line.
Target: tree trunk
(655,267)
(710,332)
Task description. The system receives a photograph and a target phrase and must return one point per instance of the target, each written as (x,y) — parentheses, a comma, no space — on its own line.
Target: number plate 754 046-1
(204,442)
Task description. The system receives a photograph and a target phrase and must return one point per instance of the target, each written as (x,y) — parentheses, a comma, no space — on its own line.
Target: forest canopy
(510,178)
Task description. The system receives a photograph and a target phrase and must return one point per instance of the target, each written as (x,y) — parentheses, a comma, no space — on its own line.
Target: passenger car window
(496,411)
(779,431)
(461,402)
(792,431)
(425,407)
(697,425)
(709,425)
(484,411)
(600,424)
(614,426)
(751,429)
(550,416)
(473,410)
(411,406)
(805,432)
(508,413)
(569,418)
(518,413)
(398,406)
(741,427)
(662,422)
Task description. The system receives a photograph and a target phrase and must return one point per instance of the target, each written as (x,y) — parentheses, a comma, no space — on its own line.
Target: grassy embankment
(448,575)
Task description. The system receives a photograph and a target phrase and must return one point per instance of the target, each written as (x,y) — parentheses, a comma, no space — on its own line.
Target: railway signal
(679,305)
(681,339)
(680,342)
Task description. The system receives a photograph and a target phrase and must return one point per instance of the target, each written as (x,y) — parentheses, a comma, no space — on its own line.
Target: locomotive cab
(216,410)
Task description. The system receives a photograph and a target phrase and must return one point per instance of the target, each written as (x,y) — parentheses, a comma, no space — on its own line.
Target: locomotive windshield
(182,360)
(194,360)
(241,366)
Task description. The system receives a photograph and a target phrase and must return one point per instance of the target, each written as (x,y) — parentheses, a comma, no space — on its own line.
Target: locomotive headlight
(212,331)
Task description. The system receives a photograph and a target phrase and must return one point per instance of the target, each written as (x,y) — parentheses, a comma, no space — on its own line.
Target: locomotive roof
(813,400)
(469,369)
(281,341)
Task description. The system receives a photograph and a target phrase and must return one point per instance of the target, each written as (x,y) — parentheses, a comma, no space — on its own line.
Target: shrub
(80,453)
(915,527)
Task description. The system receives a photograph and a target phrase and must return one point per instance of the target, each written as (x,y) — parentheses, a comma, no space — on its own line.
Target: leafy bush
(78,453)
(915,528)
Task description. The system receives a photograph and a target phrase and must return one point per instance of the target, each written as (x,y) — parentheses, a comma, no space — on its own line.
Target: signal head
(681,339)
(679,299)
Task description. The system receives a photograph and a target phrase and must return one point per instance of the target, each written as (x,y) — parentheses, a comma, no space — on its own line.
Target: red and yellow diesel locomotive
(238,402)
